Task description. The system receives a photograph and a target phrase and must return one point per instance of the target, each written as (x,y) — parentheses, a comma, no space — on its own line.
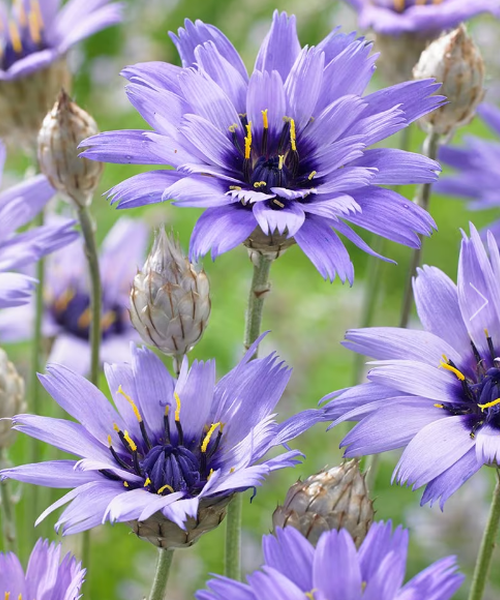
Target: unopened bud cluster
(11,398)
(170,299)
(455,61)
(64,127)
(332,499)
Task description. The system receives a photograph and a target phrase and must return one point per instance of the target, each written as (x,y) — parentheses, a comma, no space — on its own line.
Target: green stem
(258,291)
(158,591)
(8,512)
(483,562)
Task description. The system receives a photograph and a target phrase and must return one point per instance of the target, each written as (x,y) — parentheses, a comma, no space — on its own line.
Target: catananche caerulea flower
(435,392)
(47,577)
(294,569)
(283,153)
(67,299)
(19,204)
(477,177)
(168,445)
(37,32)
(427,17)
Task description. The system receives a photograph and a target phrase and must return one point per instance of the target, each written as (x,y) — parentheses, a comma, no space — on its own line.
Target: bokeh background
(307,316)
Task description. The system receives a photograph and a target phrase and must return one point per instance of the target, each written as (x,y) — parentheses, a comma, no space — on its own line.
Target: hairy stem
(159,588)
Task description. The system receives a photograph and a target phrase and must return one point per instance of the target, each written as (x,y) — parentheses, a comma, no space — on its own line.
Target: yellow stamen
(108,319)
(21,13)
(206,441)
(178,408)
(264,118)
(84,319)
(448,367)
(233,127)
(131,402)
(259,184)
(130,441)
(116,428)
(293,135)
(6,595)
(486,333)
(15,38)
(125,484)
(248,140)
(281,161)
(147,482)
(278,203)
(110,441)
(167,409)
(210,474)
(489,404)
(232,470)
(439,405)
(235,187)
(311,175)
(64,299)
(399,5)
(35,24)
(165,487)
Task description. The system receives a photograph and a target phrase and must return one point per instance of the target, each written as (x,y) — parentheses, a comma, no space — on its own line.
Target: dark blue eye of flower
(401,5)
(25,34)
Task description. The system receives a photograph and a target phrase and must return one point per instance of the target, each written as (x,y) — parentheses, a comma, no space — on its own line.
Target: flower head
(335,570)
(65,581)
(427,18)
(434,392)
(169,447)
(278,157)
(67,299)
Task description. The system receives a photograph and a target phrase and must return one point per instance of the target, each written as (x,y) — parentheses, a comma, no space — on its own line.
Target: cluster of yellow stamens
(32,21)
(400,5)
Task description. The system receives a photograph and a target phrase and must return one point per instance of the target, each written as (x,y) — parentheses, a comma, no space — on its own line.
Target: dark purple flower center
(71,310)
(171,463)
(25,34)
(402,5)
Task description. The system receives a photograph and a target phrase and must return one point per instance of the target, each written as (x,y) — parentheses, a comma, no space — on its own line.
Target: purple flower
(282,154)
(168,445)
(427,18)
(435,392)
(67,299)
(477,177)
(18,206)
(335,569)
(37,32)
(47,577)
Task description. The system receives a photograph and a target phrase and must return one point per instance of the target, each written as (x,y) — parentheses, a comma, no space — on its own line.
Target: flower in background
(477,177)
(169,451)
(294,569)
(67,299)
(434,392)
(18,206)
(278,157)
(46,577)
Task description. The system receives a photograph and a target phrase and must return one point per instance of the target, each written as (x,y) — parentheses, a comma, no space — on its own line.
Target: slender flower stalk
(488,544)
(8,513)
(158,591)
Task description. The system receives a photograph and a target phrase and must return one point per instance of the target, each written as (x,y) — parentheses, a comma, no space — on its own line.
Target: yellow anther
(6,596)
(108,319)
(147,482)
(165,487)
(293,135)
(264,118)
(178,407)
(248,140)
(84,319)
(281,161)
(130,441)
(125,484)
(454,370)
(232,470)
(489,404)
(131,402)
(399,5)
(439,405)
(486,333)
(233,127)
(35,24)
(110,441)
(116,428)
(206,441)
(235,187)
(15,38)
(311,175)
(259,184)
(311,594)
(167,410)
(278,203)
(64,299)
(210,474)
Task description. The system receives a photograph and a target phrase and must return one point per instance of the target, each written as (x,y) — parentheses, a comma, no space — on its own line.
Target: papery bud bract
(271,245)
(63,128)
(170,299)
(332,499)
(454,60)
(11,398)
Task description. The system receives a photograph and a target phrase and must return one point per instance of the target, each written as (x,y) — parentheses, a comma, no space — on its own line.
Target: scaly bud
(454,60)
(332,499)
(11,398)
(170,299)
(63,128)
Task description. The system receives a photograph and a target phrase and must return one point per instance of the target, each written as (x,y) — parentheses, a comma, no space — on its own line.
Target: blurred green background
(306,315)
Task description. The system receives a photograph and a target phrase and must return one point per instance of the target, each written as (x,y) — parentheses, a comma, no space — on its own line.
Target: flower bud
(170,299)
(454,60)
(332,499)
(11,398)
(161,532)
(271,245)
(63,128)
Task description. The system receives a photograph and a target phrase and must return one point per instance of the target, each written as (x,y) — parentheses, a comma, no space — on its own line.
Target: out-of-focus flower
(67,299)
(278,157)
(46,577)
(36,35)
(336,498)
(478,176)
(63,128)
(454,60)
(172,453)
(435,392)
(18,206)
(170,299)
(294,569)
(11,398)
